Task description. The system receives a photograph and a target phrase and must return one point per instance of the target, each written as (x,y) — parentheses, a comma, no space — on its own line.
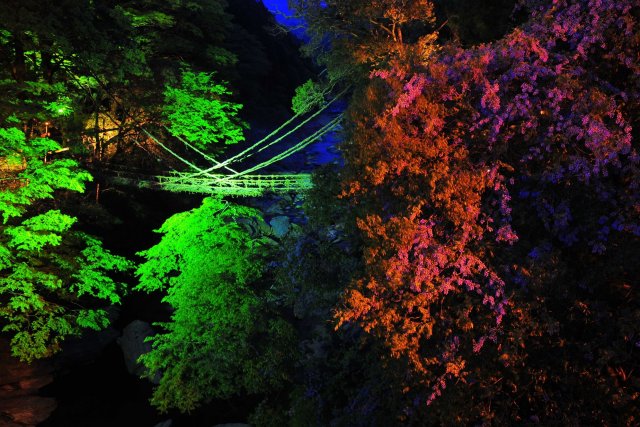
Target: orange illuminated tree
(496,191)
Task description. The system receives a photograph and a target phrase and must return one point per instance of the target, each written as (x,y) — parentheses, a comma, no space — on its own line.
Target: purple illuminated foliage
(440,149)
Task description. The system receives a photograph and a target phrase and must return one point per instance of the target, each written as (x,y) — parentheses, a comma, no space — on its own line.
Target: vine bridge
(243,186)
(233,182)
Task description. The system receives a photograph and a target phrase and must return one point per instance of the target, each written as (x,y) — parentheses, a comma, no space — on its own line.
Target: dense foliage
(220,340)
(473,261)
(47,270)
(94,81)
(197,112)
(496,193)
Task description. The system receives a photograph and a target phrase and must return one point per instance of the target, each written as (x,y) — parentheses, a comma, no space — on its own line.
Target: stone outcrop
(20,405)
(133,346)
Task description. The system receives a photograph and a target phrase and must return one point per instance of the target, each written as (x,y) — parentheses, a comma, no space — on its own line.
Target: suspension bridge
(232,182)
(181,182)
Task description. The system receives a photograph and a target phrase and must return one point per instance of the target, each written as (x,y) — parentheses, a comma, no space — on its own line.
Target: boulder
(26,410)
(280,226)
(133,346)
(19,385)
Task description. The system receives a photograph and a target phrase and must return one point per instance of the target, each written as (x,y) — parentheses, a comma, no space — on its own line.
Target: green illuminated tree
(308,96)
(174,31)
(221,340)
(198,112)
(53,280)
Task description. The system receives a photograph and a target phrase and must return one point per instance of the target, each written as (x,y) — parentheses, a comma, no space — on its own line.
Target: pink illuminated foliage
(454,161)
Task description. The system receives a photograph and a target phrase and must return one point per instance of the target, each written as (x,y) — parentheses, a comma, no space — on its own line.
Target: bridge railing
(247,185)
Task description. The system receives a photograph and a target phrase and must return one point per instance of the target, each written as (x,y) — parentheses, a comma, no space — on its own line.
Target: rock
(32,378)
(274,209)
(133,346)
(167,423)
(250,225)
(19,384)
(27,410)
(15,374)
(280,226)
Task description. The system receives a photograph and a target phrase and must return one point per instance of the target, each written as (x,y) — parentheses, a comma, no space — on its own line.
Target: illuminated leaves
(62,107)
(33,180)
(219,341)
(91,277)
(308,96)
(45,267)
(181,259)
(198,112)
(40,292)
(39,231)
(355,36)
(458,165)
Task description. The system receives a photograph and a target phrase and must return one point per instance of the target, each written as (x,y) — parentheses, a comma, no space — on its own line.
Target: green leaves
(308,96)
(92,319)
(29,178)
(151,19)
(202,243)
(91,278)
(219,341)
(197,111)
(41,285)
(38,325)
(41,230)
(39,100)
(12,141)
(61,107)
(48,273)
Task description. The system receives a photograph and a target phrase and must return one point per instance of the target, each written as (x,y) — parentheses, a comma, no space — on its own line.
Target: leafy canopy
(495,189)
(45,266)
(307,97)
(219,341)
(198,112)
(35,180)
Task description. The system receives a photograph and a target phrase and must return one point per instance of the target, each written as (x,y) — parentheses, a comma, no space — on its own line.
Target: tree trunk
(19,68)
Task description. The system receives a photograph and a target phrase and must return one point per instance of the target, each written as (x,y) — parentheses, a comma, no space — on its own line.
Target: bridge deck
(246,185)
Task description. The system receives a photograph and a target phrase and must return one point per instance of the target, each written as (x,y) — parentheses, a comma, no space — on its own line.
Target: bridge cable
(177,156)
(242,155)
(299,146)
(305,142)
(204,155)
